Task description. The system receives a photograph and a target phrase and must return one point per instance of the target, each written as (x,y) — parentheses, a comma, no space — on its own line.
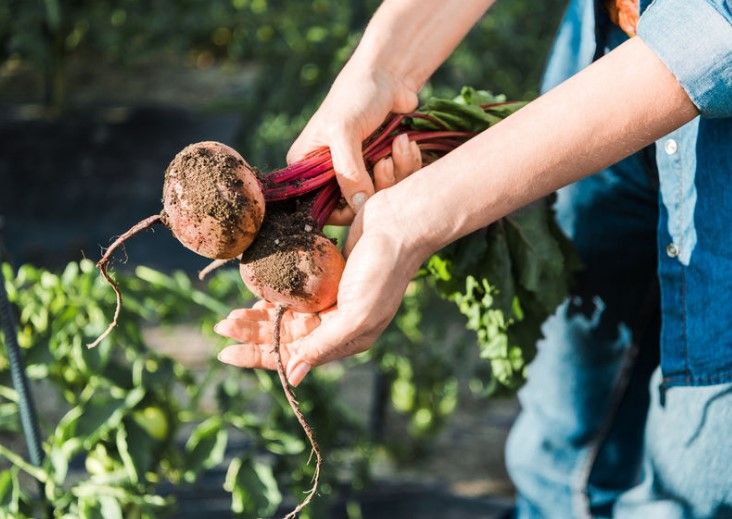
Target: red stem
(287,191)
(325,202)
(384,133)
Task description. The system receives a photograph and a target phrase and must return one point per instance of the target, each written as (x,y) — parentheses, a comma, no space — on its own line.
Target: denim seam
(685,333)
(686,380)
(676,160)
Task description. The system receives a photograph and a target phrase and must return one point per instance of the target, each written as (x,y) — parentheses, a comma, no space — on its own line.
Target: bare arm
(625,101)
(409,39)
(404,43)
(618,105)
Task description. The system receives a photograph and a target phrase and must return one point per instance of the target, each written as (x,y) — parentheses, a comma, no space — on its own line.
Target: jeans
(665,455)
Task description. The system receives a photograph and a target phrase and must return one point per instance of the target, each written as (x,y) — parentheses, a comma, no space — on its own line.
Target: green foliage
(123,419)
(508,278)
(136,418)
(295,49)
(421,361)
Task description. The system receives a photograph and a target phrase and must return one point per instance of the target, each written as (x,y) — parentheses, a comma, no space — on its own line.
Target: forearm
(615,107)
(411,38)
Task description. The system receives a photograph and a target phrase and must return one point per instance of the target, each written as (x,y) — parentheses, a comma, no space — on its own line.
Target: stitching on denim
(685,334)
(685,380)
(679,239)
(682,271)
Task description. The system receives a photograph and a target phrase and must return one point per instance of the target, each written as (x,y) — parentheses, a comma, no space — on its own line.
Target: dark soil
(274,254)
(210,184)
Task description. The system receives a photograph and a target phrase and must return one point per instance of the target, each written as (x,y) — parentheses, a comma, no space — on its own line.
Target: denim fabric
(662,215)
(687,451)
(694,39)
(612,218)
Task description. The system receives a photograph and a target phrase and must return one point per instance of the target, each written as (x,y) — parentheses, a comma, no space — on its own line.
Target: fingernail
(225,356)
(402,143)
(217,327)
(298,373)
(417,152)
(358,200)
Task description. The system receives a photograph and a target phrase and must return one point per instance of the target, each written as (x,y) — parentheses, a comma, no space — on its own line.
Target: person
(636,121)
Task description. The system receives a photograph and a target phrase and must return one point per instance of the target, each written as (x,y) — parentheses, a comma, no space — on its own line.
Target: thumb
(299,148)
(353,179)
(330,341)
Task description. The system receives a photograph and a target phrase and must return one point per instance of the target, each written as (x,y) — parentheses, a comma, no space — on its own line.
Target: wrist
(388,214)
(364,68)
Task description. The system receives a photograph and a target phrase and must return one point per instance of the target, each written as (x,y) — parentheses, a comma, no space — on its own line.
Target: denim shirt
(694,39)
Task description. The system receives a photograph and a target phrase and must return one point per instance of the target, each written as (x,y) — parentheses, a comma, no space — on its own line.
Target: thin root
(205,271)
(315,449)
(102,266)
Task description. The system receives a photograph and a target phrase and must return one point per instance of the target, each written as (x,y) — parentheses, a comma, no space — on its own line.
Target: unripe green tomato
(154,421)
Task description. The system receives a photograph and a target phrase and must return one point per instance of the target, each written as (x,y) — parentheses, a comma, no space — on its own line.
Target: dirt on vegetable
(209,183)
(276,253)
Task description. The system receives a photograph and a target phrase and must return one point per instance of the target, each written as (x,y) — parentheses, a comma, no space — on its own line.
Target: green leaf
(60,455)
(140,451)
(36,472)
(9,418)
(205,448)
(110,508)
(254,490)
(8,490)
(103,413)
(281,442)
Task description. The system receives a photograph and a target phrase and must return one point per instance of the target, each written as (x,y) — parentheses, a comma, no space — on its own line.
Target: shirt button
(672,250)
(671,146)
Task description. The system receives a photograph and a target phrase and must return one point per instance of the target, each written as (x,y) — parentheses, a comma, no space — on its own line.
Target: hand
(358,103)
(377,273)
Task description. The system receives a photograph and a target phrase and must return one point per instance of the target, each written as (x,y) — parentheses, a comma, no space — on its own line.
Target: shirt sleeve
(694,39)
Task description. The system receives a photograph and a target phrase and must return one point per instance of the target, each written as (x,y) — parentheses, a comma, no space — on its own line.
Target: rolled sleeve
(694,39)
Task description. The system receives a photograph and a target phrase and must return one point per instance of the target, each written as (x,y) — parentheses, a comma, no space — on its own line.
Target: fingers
(331,340)
(302,145)
(258,351)
(253,356)
(384,174)
(350,169)
(341,216)
(407,157)
(256,327)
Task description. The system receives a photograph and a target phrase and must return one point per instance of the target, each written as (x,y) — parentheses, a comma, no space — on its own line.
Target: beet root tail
(215,264)
(102,266)
(295,406)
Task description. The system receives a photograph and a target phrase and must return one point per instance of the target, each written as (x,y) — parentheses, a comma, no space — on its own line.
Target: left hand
(380,265)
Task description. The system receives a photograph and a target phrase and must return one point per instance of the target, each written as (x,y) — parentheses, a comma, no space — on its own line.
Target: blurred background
(96,96)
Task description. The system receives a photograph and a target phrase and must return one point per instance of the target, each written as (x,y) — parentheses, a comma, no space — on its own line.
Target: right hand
(357,104)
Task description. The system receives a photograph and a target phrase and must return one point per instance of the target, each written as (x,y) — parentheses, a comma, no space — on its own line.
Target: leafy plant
(508,278)
(135,419)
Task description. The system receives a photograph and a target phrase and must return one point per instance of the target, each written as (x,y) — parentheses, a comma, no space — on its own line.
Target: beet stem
(295,406)
(384,133)
(102,266)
